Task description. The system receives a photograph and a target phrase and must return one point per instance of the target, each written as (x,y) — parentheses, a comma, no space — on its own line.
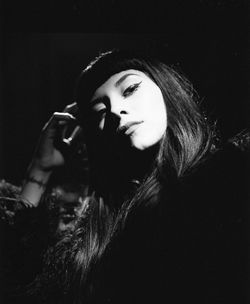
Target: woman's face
(129,104)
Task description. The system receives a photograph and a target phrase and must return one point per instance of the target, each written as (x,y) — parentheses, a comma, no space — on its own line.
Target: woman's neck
(135,165)
(125,169)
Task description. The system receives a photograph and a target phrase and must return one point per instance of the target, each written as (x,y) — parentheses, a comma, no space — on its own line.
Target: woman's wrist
(39,166)
(34,184)
(31,179)
(37,175)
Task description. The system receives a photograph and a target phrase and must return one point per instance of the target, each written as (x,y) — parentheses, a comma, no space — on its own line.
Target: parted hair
(186,142)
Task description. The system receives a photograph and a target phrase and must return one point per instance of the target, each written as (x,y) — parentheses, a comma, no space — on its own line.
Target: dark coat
(192,246)
(189,248)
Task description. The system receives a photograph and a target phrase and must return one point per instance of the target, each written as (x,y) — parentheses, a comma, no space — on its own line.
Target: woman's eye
(131,89)
(98,114)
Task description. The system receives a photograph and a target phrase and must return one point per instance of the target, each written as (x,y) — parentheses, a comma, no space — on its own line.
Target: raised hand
(48,154)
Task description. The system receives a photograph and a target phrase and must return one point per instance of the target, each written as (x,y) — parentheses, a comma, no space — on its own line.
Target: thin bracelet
(33,180)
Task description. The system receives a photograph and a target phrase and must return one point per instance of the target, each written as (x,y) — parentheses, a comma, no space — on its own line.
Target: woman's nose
(118,107)
(116,110)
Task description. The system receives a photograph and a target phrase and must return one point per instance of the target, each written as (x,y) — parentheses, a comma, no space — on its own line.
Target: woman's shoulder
(229,159)
(241,141)
(234,152)
(220,184)
(10,202)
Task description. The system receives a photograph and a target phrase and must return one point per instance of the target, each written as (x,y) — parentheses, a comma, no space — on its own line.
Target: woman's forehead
(117,79)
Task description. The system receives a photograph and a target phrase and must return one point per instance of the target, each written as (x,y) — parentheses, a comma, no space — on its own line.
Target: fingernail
(72,117)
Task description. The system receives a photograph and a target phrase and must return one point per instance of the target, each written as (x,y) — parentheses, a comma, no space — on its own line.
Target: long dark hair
(186,142)
(188,135)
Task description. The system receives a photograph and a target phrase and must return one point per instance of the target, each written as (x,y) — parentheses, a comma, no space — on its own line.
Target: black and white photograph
(124,152)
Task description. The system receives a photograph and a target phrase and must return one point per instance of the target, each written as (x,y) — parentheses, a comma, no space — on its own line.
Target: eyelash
(127,92)
(99,114)
(131,89)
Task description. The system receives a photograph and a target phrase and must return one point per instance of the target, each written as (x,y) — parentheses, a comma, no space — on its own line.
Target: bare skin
(47,156)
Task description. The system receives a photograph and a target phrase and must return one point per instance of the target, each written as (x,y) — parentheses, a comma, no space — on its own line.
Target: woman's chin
(142,144)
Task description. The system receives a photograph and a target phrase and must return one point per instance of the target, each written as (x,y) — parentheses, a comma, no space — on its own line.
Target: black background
(45,44)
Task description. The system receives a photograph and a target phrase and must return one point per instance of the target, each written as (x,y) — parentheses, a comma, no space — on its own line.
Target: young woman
(162,198)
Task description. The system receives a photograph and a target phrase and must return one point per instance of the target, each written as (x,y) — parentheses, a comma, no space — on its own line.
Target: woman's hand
(48,155)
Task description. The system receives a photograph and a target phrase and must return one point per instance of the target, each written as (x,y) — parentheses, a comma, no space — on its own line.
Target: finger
(75,134)
(71,108)
(59,117)
(66,126)
(63,116)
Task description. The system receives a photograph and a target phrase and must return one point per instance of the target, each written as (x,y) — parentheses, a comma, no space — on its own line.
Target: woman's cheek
(101,124)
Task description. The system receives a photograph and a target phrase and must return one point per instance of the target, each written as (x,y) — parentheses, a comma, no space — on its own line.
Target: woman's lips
(129,127)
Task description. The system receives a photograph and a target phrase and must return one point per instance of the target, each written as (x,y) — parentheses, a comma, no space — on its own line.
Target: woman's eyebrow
(119,81)
(97,100)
